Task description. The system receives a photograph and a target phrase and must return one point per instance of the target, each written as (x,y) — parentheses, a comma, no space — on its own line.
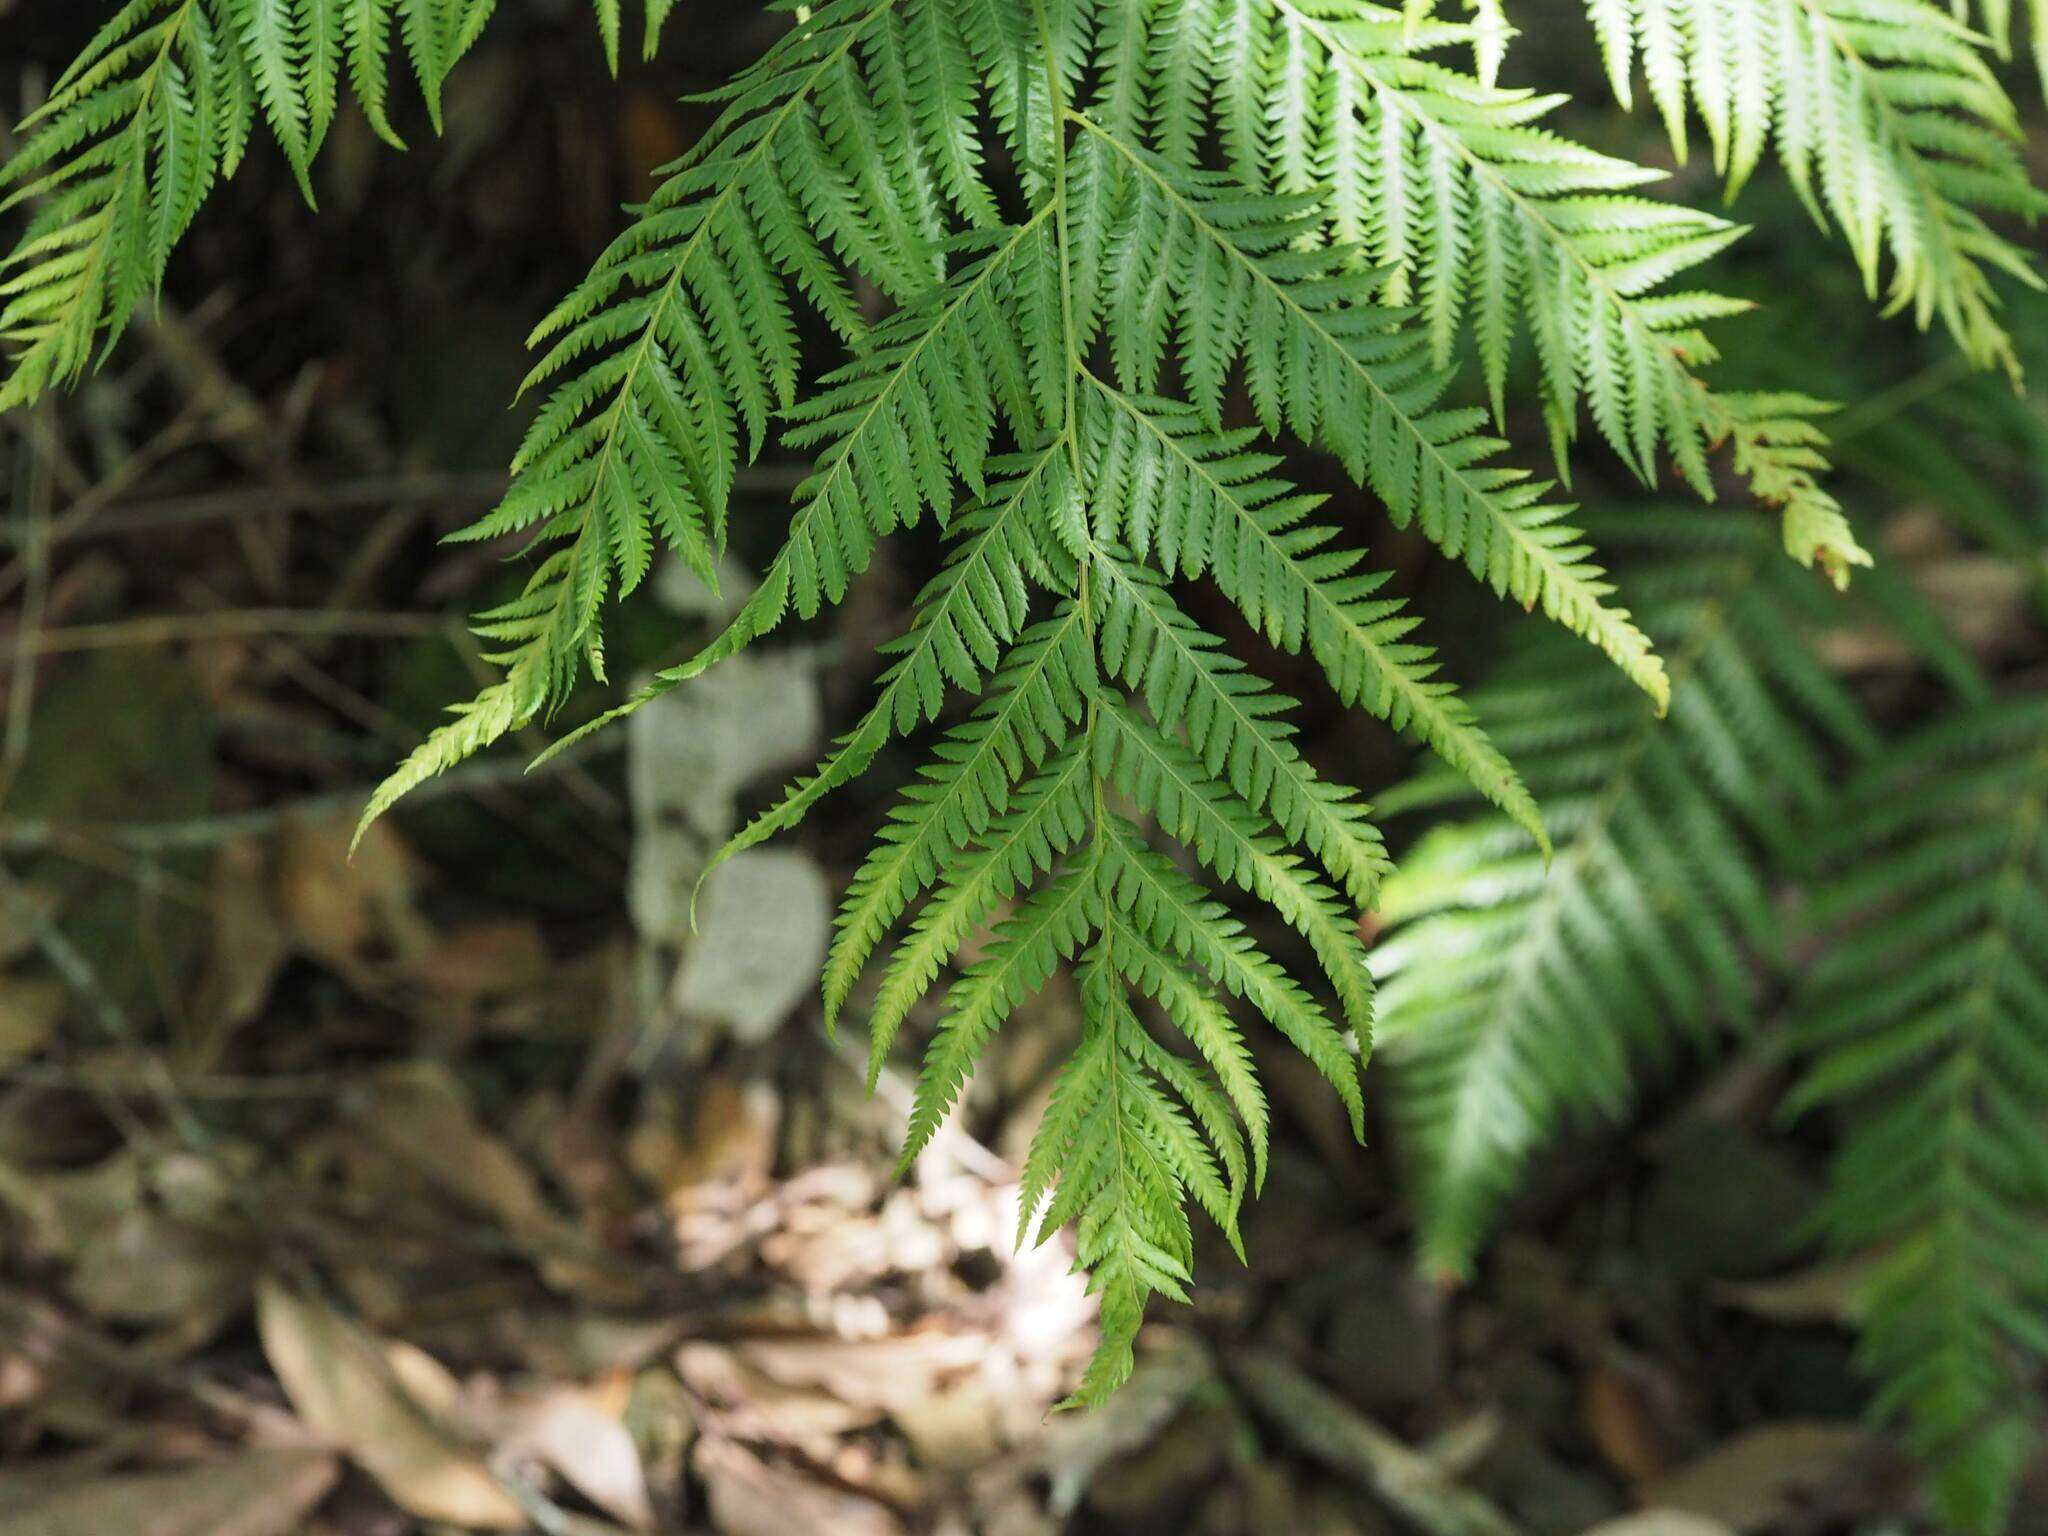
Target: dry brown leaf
(497,958)
(748,1405)
(1660,1522)
(419,1120)
(958,1428)
(730,1140)
(1760,1476)
(892,1374)
(1329,1430)
(1824,1293)
(570,1430)
(751,1497)
(249,944)
(1076,1449)
(1620,1426)
(259,1493)
(349,907)
(342,1385)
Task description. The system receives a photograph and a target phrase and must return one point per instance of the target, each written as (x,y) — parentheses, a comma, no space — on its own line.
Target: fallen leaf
(421,1122)
(1620,1427)
(1331,1431)
(484,959)
(891,1374)
(1760,1476)
(259,1493)
(249,944)
(748,1405)
(751,1497)
(1077,1449)
(730,1141)
(570,1430)
(349,906)
(1660,1522)
(341,1384)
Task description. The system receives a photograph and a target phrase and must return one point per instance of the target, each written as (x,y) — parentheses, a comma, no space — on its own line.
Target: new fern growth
(1094,267)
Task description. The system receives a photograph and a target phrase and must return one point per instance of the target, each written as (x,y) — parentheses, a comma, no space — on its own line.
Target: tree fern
(1927,1023)
(1091,269)
(159,108)
(1518,997)
(1050,387)
(1887,117)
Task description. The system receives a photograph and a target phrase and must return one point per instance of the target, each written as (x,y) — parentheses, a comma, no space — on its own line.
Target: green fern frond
(1927,1025)
(1047,816)
(1325,361)
(1194,503)
(1047,928)
(1125,1157)
(967,618)
(682,340)
(156,111)
(1516,997)
(1151,892)
(1165,780)
(1188,680)
(1043,371)
(152,113)
(1485,220)
(1030,705)
(1888,118)
(1997,23)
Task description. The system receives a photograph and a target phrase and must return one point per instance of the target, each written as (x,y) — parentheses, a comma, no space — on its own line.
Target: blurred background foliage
(457,1187)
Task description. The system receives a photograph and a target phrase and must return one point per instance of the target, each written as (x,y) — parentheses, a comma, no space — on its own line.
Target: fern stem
(1056,89)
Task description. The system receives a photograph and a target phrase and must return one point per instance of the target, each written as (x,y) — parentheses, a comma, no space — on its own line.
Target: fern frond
(1997,23)
(1168,784)
(969,615)
(156,111)
(1517,998)
(1890,123)
(1335,368)
(1047,928)
(1125,1155)
(1031,705)
(150,116)
(1151,893)
(1484,219)
(1193,502)
(1927,1024)
(1186,678)
(1047,817)
(682,339)
(1011,373)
